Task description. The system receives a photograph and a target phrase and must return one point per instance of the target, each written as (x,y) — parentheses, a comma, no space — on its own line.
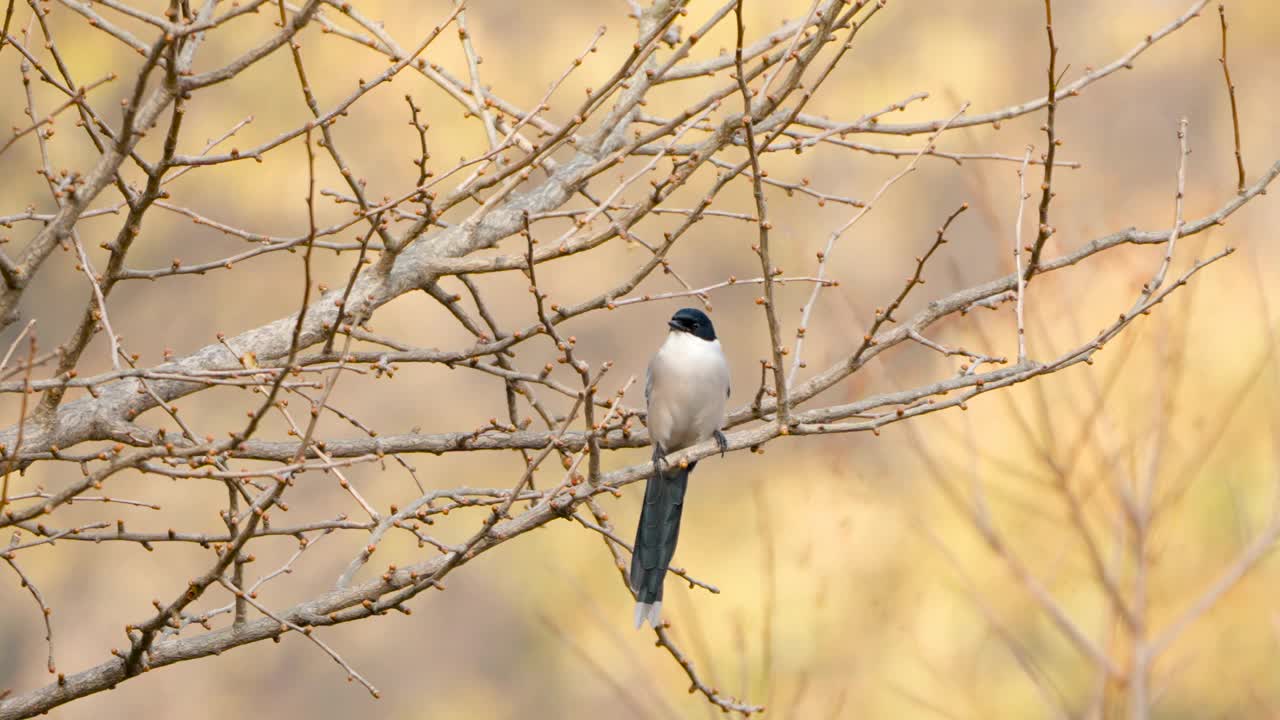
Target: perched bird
(686,392)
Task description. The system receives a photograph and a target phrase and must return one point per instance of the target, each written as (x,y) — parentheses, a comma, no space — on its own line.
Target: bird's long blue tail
(656,537)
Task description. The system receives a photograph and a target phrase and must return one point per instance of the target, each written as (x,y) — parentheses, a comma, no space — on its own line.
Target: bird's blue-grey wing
(648,384)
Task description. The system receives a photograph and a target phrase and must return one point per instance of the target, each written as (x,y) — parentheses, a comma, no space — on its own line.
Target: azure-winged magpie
(686,392)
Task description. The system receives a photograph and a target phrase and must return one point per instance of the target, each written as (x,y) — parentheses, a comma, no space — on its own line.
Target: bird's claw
(721,441)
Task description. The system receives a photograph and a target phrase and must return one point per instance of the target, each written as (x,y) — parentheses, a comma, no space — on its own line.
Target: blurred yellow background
(850,585)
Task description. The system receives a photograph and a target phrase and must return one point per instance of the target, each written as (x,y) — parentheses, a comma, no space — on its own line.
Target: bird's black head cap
(693,321)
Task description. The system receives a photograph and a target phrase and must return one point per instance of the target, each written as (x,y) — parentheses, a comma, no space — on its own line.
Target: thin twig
(1044,230)
(22,425)
(1231,94)
(1020,292)
(45,610)
(306,631)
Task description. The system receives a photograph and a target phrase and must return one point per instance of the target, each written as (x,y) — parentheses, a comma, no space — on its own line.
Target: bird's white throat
(691,348)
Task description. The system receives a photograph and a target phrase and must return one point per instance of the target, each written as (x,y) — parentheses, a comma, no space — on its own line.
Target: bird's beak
(675,325)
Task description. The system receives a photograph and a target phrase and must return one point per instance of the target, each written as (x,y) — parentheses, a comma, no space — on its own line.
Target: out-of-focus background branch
(308,306)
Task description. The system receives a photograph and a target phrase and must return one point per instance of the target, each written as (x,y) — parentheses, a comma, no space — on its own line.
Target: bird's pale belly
(675,431)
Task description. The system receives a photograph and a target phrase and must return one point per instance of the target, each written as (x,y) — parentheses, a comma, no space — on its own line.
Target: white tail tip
(651,612)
